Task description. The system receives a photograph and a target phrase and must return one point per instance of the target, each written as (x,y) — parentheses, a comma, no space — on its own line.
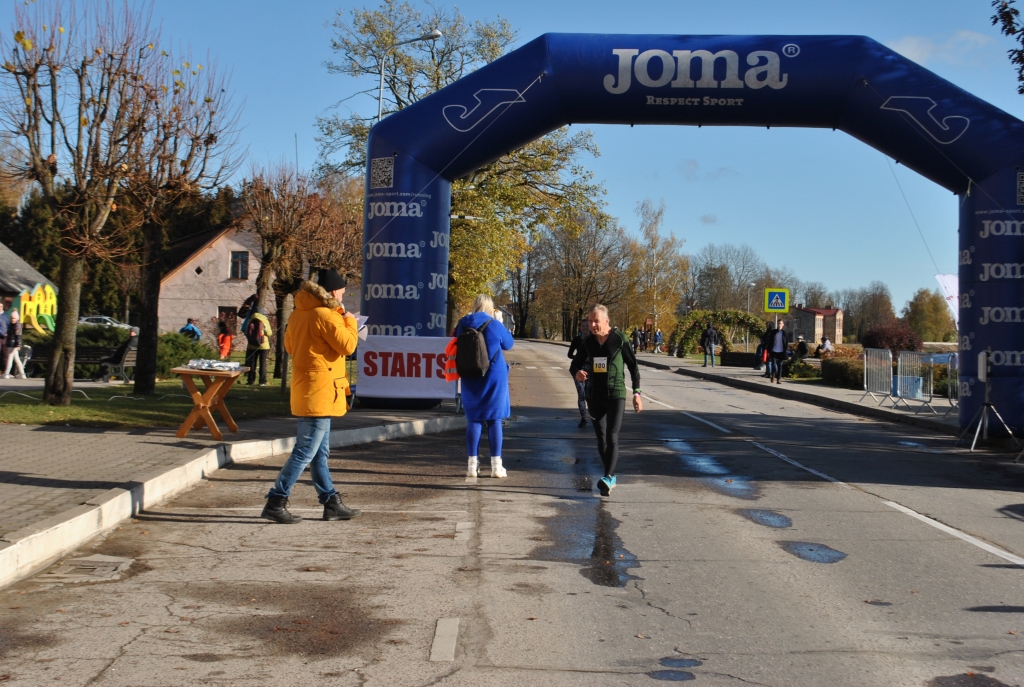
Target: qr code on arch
(382,172)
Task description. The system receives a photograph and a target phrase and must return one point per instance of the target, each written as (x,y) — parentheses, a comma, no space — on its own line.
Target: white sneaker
(8,377)
(496,469)
(21,376)
(472,467)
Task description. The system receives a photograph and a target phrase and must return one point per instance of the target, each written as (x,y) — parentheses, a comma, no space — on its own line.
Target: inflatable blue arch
(851,83)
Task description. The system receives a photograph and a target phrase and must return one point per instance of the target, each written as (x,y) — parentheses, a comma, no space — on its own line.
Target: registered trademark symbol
(419,325)
(422,244)
(420,285)
(424,202)
(972,249)
(971,335)
(791,50)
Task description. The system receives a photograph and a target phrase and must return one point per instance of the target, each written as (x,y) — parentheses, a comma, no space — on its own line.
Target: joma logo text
(675,70)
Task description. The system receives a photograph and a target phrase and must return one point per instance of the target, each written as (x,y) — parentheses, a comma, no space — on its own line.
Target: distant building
(16,275)
(213,274)
(814,323)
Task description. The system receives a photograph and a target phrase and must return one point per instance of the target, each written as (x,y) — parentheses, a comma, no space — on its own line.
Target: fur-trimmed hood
(311,295)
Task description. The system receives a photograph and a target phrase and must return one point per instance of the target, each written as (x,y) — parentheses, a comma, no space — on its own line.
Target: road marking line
(648,398)
(555,367)
(463,530)
(799,465)
(985,546)
(445,635)
(528,367)
(707,422)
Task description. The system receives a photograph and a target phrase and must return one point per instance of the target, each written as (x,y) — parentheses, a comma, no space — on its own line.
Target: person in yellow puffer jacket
(319,336)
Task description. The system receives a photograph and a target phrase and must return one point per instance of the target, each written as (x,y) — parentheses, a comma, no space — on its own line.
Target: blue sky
(818,202)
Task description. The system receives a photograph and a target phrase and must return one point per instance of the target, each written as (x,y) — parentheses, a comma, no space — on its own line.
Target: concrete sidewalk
(944,420)
(60,486)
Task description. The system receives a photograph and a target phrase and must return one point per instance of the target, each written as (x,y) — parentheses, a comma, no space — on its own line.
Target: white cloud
(709,219)
(962,47)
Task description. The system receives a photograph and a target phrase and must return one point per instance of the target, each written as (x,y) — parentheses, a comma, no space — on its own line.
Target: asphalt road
(750,541)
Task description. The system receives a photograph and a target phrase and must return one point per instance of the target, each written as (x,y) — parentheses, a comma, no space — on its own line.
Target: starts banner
(403,367)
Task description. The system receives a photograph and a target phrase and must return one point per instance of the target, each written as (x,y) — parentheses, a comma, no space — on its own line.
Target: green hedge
(689,329)
(843,372)
(173,350)
(796,368)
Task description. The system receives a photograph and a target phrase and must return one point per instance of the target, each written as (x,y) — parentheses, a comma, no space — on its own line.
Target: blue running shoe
(604,485)
(611,482)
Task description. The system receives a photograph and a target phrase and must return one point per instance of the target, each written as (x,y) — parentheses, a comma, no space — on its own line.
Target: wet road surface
(750,541)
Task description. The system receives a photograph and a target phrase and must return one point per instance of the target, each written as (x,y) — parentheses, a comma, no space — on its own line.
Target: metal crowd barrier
(915,376)
(952,377)
(877,374)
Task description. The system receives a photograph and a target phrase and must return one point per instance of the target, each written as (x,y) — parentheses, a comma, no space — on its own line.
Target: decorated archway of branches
(728,323)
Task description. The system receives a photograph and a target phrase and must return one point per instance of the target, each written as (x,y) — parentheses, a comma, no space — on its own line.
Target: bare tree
(76,96)
(186,149)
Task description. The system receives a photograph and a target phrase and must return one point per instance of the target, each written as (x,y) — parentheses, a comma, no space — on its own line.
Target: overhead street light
(431,36)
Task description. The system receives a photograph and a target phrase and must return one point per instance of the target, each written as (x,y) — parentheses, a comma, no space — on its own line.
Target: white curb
(26,551)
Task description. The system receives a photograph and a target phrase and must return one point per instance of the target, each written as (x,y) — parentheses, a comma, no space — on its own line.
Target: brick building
(814,323)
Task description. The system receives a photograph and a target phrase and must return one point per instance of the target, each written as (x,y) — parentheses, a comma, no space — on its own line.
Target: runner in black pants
(606,353)
(581,387)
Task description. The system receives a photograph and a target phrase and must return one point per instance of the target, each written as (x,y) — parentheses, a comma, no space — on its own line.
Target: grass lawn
(167,408)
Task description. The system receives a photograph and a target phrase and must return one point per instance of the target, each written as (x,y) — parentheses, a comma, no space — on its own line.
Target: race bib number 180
(601,365)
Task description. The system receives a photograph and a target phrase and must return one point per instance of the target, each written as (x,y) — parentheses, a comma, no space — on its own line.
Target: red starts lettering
(395,364)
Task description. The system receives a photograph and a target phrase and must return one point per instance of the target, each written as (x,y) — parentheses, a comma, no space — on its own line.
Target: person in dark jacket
(636,339)
(581,387)
(708,341)
(3,333)
(769,326)
(801,348)
(778,347)
(607,353)
(486,399)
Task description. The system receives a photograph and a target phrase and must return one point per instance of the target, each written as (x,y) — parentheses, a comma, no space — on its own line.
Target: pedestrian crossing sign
(776,300)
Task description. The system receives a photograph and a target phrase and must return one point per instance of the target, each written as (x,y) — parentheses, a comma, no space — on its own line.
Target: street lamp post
(746,334)
(432,36)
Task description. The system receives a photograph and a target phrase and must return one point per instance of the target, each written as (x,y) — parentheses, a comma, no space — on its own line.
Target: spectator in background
(191,331)
(824,348)
(708,341)
(224,339)
(581,387)
(636,339)
(13,347)
(3,333)
(766,349)
(801,348)
(257,348)
(117,356)
(778,347)
(658,340)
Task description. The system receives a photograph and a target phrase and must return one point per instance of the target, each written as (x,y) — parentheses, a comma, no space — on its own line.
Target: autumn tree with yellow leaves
(507,199)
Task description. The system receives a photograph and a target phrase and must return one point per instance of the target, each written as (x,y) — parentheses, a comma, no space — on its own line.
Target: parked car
(102,321)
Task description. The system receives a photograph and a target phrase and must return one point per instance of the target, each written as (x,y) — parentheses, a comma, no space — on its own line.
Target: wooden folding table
(218,383)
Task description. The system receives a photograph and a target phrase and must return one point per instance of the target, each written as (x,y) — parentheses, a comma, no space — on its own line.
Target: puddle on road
(810,551)
(704,464)
(768,518)
(583,532)
(675,662)
(672,675)
(290,618)
(966,680)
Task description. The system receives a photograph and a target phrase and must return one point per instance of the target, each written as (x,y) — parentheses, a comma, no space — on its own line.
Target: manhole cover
(95,568)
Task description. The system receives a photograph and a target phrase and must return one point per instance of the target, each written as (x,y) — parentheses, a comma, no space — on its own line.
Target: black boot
(277,510)
(334,509)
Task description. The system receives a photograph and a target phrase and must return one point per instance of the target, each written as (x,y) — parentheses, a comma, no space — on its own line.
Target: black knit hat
(330,280)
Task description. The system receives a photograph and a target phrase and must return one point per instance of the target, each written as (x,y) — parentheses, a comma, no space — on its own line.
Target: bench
(117,369)
(84,355)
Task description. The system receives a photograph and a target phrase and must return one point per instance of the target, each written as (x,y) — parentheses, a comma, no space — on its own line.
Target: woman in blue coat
(486,399)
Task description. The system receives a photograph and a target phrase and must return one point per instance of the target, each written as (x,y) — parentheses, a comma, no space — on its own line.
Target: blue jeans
(312,445)
(709,350)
